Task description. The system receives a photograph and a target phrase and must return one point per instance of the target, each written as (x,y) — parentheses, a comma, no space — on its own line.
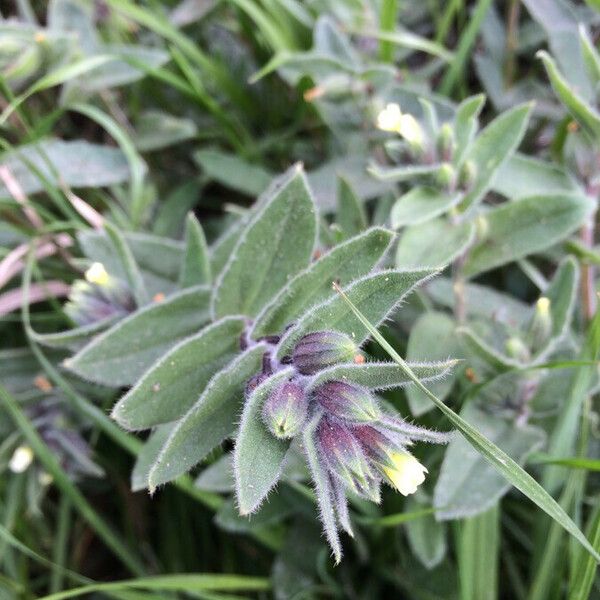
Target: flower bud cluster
(359,445)
(428,145)
(100,296)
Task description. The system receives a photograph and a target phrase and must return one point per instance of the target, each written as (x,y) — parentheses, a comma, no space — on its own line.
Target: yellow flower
(407,474)
(543,305)
(97,274)
(391,118)
(21,459)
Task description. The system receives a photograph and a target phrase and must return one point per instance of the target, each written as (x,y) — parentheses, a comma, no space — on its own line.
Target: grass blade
(494,455)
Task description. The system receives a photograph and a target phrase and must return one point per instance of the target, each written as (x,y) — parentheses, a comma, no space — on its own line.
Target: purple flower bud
(347,401)
(321,349)
(285,410)
(345,458)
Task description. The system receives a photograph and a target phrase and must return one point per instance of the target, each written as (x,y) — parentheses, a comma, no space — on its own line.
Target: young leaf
(494,455)
(73,338)
(171,385)
(147,456)
(421,204)
(208,422)
(382,376)
(517,229)
(377,295)
(350,214)
(195,269)
(435,243)
(345,263)
(492,147)
(465,124)
(120,355)
(276,244)
(582,112)
(258,455)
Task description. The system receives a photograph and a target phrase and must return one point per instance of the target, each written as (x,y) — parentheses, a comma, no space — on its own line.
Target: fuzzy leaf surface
(258,455)
(421,204)
(209,421)
(344,263)
(120,355)
(517,229)
(277,244)
(171,385)
(375,295)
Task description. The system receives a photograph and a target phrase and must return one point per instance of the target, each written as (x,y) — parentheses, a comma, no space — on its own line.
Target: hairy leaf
(276,244)
(421,204)
(171,385)
(120,355)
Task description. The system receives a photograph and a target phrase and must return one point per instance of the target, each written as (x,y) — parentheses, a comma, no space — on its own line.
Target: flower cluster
(428,145)
(99,297)
(358,444)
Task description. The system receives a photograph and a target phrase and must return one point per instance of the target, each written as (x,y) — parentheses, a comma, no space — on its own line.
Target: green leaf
(382,375)
(494,455)
(258,455)
(484,351)
(465,125)
(350,214)
(79,163)
(492,147)
(521,176)
(73,338)
(478,551)
(583,577)
(344,263)
(421,204)
(426,536)
(582,112)
(155,130)
(172,384)
(403,172)
(517,229)
(147,456)
(467,484)
(233,172)
(431,338)
(119,356)
(159,259)
(130,267)
(276,244)
(178,583)
(377,295)
(195,269)
(435,243)
(209,421)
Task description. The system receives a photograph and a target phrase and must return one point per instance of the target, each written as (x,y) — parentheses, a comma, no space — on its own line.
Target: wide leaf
(121,354)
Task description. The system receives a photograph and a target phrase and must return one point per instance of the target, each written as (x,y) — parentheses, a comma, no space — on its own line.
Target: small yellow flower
(391,118)
(97,274)
(21,459)
(407,474)
(543,305)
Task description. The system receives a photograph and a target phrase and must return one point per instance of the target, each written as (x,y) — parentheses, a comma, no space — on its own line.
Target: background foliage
(223,161)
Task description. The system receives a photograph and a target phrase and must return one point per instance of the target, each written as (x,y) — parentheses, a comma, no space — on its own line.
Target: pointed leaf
(377,295)
(276,244)
(350,215)
(195,269)
(492,147)
(174,382)
(258,455)
(517,229)
(147,456)
(434,243)
(120,355)
(421,204)
(209,421)
(345,263)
